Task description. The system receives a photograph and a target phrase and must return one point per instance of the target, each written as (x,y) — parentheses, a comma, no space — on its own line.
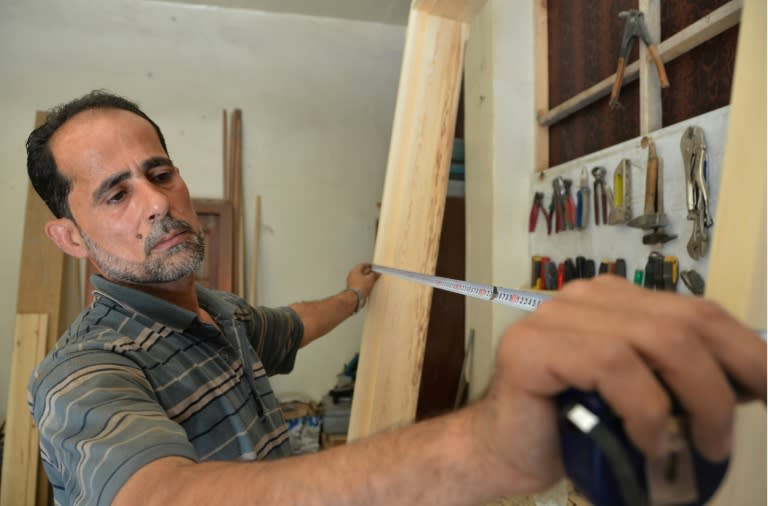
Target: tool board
(622,241)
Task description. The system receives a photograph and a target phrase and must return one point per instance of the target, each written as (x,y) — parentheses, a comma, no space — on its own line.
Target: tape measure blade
(465,288)
(520,299)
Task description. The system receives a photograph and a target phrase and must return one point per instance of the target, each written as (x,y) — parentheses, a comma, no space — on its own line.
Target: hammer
(634,26)
(653,218)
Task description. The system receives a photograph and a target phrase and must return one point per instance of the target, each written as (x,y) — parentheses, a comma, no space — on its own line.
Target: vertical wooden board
(42,265)
(650,87)
(459,10)
(20,452)
(254,260)
(541,161)
(394,330)
(737,269)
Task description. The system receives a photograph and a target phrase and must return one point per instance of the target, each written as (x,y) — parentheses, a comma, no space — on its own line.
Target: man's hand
(618,339)
(321,316)
(362,279)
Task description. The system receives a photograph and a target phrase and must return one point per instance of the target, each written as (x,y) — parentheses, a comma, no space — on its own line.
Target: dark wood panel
(700,80)
(444,350)
(584,38)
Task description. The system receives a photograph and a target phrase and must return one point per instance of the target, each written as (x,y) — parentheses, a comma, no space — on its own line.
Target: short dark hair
(52,186)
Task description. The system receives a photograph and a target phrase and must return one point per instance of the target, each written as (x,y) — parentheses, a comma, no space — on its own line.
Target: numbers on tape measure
(520,299)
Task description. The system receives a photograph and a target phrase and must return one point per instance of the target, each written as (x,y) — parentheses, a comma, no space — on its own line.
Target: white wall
(317,97)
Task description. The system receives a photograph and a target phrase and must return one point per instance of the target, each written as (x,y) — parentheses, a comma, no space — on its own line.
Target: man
(158,393)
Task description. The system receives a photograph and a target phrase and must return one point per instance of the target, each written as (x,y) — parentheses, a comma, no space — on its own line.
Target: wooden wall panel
(584,41)
(700,79)
(584,37)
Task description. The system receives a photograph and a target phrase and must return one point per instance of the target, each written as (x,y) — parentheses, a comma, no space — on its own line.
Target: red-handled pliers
(538,200)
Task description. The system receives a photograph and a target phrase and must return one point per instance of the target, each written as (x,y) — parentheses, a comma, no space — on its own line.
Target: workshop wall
(317,96)
(500,178)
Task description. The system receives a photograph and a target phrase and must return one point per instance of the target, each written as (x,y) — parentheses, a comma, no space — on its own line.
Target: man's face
(132,209)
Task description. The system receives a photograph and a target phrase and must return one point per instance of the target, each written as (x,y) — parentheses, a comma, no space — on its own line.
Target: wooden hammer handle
(617,83)
(659,66)
(651,181)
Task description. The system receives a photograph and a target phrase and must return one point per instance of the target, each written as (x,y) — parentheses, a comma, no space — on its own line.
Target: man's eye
(117,197)
(162,177)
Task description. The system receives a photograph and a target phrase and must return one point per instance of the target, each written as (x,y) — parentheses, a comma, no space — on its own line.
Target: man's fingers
(619,350)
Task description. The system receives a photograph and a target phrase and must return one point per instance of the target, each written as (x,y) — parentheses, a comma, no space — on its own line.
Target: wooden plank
(542,82)
(226,187)
(650,87)
(458,10)
(48,284)
(236,194)
(253,278)
(737,266)
(394,331)
(683,41)
(21,446)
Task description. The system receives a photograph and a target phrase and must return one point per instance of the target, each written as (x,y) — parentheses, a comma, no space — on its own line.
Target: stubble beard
(169,265)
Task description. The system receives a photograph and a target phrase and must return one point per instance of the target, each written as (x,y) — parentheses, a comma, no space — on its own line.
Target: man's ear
(65,234)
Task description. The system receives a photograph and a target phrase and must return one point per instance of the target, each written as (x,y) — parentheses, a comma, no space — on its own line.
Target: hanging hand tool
(601,204)
(556,210)
(620,267)
(634,27)
(695,165)
(582,200)
(570,206)
(538,208)
(622,194)
(654,218)
(562,204)
(693,281)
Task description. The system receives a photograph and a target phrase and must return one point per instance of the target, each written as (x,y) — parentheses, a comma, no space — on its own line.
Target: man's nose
(155,202)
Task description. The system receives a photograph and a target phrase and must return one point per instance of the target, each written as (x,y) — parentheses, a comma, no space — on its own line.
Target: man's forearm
(433,462)
(321,316)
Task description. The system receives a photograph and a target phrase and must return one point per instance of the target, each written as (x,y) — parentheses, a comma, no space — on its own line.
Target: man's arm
(321,316)
(434,462)
(604,335)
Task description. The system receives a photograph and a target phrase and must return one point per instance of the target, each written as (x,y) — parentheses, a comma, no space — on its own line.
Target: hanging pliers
(536,208)
(634,28)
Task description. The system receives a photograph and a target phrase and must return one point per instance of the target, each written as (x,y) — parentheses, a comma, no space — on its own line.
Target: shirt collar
(160,310)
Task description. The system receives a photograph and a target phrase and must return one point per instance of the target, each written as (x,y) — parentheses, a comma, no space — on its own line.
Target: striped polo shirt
(136,378)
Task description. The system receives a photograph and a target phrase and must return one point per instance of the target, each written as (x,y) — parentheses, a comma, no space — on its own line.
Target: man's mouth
(167,234)
(169,240)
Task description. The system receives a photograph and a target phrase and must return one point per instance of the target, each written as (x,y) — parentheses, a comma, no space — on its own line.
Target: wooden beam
(737,265)
(541,161)
(225,168)
(458,10)
(253,278)
(21,446)
(394,331)
(236,195)
(650,87)
(683,41)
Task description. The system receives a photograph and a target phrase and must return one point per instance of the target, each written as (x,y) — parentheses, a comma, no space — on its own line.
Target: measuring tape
(520,299)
